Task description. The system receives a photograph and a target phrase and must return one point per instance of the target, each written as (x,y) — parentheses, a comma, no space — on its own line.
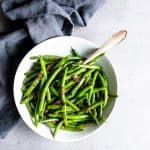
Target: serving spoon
(111,42)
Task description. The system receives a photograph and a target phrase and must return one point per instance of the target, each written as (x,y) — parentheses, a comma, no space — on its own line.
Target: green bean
(94,118)
(28,84)
(93,98)
(72,117)
(63,98)
(79,120)
(46,57)
(54,115)
(36,68)
(36,115)
(68,109)
(69,85)
(32,103)
(83,91)
(63,61)
(32,87)
(72,105)
(31,77)
(82,126)
(29,108)
(93,62)
(57,128)
(50,124)
(23,89)
(88,80)
(36,120)
(96,90)
(71,125)
(43,110)
(92,88)
(28,73)
(81,100)
(95,112)
(47,62)
(49,81)
(76,71)
(76,88)
(96,104)
(42,83)
(26,99)
(72,122)
(54,91)
(75,53)
(65,114)
(103,80)
(48,96)
(52,100)
(101,111)
(43,68)
(69,63)
(63,86)
(54,107)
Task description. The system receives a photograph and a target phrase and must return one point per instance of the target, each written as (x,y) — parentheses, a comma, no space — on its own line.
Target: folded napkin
(38,20)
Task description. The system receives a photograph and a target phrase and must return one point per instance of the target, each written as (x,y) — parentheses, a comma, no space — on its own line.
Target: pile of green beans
(63,93)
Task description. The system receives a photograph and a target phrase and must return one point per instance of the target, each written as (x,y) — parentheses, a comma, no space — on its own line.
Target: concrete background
(128,126)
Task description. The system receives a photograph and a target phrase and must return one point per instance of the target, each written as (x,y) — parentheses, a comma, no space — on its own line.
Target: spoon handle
(114,40)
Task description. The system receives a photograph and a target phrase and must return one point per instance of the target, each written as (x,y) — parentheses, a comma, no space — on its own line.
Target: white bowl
(61,46)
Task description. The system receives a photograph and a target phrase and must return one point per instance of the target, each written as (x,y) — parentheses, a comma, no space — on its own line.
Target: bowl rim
(41,43)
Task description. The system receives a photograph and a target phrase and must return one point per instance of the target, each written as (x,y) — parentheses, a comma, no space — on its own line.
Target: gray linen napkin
(38,20)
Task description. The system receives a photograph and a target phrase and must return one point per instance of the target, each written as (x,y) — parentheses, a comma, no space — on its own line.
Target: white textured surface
(128,127)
